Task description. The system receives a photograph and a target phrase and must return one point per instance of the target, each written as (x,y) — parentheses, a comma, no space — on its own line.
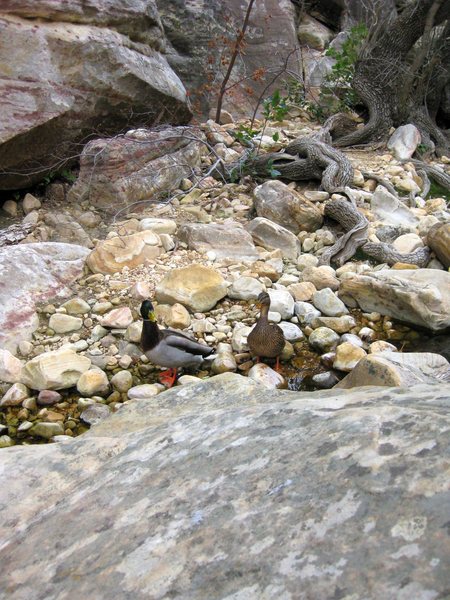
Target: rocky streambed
(70,318)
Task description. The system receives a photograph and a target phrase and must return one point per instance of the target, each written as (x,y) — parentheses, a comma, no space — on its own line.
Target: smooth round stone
(93,381)
(351,338)
(366,334)
(61,323)
(188,379)
(158,226)
(267,377)
(178,317)
(239,338)
(83,403)
(292,333)
(281,301)
(76,306)
(10,207)
(325,381)
(102,307)
(118,318)
(25,426)
(408,243)
(95,413)
(323,339)
(303,291)
(25,348)
(6,441)
(245,288)
(347,357)
(322,277)
(47,430)
(125,361)
(16,394)
(133,332)
(144,391)
(305,312)
(225,361)
(381,346)
(328,303)
(48,397)
(288,351)
(122,381)
(98,332)
(338,324)
(307,260)
(30,203)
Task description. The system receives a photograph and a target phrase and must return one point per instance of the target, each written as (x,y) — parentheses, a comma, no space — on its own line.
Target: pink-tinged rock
(140,290)
(48,397)
(10,367)
(118,318)
(16,394)
(404,141)
(112,254)
(137,166)
(31,274)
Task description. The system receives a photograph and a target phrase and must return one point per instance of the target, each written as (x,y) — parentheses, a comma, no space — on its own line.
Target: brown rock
(439,241)
(276,201)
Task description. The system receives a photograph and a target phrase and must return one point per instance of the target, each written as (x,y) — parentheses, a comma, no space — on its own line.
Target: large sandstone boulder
(226,489)
(112,254)
(398,368)
(228,240)
(30,274)
(196,287)
(420,297)
(116,172)
(274,200)
(68,69)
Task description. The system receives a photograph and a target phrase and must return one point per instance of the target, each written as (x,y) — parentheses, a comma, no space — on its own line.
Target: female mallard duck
(169,347)
(266,339)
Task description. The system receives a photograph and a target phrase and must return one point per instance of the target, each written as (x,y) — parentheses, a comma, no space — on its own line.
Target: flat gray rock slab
(227,490)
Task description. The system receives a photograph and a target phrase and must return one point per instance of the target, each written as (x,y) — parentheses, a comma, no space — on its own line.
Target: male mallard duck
(169,347)
(266,339)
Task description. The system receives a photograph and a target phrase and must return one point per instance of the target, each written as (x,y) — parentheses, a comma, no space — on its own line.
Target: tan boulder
(178,317)
(348,356)
(439,241)
(403,369)
(111,255)
(420,297)
(92,382)
(197,287)
(55,370)
(277,202)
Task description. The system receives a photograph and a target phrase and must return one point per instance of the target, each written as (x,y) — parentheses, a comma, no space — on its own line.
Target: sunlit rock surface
(225,489)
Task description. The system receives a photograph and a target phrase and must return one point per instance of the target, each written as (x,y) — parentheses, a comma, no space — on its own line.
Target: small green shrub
(338,83)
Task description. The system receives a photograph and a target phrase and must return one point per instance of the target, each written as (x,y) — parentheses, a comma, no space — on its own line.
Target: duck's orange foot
(277,365)
(168,377)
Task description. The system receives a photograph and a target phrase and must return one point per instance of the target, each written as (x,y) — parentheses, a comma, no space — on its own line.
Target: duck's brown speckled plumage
(266,339)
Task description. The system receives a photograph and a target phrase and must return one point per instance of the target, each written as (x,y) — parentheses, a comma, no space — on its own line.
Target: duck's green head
(148,311)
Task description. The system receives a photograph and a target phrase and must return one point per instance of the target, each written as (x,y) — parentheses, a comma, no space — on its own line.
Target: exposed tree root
(355,226)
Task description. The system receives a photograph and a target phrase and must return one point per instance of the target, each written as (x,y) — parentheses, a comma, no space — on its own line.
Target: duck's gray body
(177,350)
(170,348)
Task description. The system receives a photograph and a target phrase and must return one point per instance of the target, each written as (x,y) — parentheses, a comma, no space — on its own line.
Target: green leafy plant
(65,174)
(275,107)
(338,83)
